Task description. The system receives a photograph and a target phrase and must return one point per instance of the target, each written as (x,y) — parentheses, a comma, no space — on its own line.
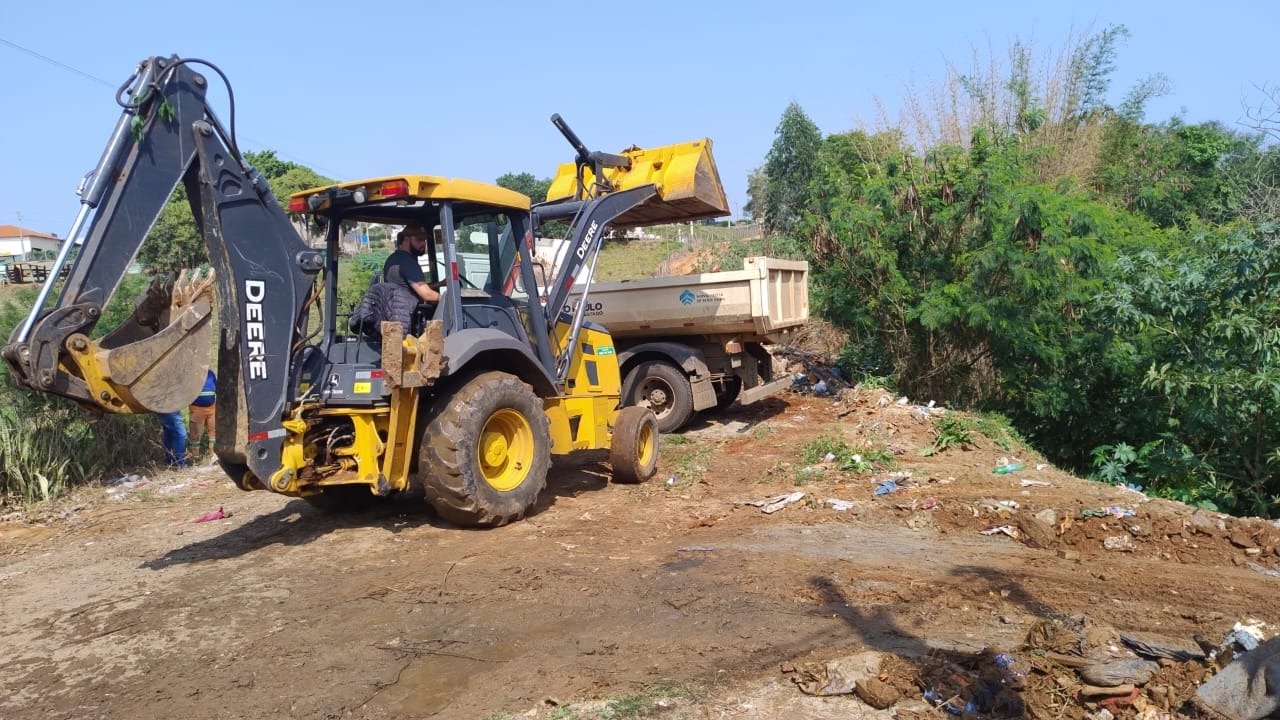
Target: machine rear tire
(662,388)
(485,451)
(634,450)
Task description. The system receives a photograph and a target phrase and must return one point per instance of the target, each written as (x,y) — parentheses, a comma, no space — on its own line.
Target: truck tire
(664,389)
(633,453)
(485,451)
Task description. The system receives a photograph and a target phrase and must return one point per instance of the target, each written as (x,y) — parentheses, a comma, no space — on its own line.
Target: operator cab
(473,257)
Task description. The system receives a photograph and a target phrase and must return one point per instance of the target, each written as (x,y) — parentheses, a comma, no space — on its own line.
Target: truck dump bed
(764,302)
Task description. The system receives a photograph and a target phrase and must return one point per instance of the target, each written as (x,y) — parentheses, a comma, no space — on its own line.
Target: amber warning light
(395,188)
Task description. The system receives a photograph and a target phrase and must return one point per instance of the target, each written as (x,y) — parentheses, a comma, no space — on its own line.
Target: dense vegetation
(1109,284)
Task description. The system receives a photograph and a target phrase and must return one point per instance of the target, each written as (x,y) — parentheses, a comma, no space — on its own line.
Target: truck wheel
(634,449)
(662,388)
(485,451)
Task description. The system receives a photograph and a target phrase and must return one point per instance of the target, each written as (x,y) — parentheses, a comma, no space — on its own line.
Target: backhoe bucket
(157,360)
(688,184)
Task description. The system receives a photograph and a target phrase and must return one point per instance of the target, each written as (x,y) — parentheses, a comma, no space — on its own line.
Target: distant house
(17,243)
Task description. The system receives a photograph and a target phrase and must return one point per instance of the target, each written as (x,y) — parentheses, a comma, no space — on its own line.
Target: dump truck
(690,343)
(464,403)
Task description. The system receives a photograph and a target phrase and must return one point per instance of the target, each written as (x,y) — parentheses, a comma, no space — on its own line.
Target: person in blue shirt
(202,418)
(173,434)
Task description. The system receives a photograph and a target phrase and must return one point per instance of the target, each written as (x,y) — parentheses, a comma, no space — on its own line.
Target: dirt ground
(670,599)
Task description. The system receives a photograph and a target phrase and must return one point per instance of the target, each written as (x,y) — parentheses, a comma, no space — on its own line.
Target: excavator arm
(156,361)
(599,190)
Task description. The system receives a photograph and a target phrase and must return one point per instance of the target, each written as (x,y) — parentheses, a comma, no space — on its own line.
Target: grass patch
(651,702)
(848,459)
(957,429)
(950,430)
(48,446)
(632,259)
(806,475)
(658,701)
(999,430)
(685,459)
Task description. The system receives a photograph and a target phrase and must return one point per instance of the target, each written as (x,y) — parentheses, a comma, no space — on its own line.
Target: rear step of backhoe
(688,183)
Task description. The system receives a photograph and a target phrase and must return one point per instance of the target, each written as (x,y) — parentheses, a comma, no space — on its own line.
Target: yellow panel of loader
(688,183)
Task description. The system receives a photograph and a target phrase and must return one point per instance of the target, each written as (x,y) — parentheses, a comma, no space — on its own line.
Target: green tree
(174,242)
(755,194)
(1205,314)
(1170,172)
(266,162)
(789,168)
(526,184)
(295,179)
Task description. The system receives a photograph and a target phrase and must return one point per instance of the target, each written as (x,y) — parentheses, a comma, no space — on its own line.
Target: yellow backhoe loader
(466,402)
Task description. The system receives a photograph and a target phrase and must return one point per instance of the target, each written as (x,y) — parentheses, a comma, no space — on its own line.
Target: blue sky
(466,89)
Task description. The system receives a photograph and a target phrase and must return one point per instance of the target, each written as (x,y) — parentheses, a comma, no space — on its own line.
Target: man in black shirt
(402,265)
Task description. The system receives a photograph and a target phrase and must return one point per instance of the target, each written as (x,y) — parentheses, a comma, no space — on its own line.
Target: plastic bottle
(1006,469)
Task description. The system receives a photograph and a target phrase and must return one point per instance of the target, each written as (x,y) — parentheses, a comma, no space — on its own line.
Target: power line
(53,62)
(100,81)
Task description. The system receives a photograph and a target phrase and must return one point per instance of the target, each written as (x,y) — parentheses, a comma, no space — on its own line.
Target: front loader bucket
(688,184)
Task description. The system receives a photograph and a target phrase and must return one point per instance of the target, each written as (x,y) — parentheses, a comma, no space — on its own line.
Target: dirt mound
(777,539)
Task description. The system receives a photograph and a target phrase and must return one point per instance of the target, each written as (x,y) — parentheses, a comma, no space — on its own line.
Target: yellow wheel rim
(647,446)
(505,451)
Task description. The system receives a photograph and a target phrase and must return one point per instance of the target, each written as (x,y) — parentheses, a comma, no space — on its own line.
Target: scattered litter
(886,487)
(831,457)
(929,503)
(215,515)
(1041,466)
(1009,530)
(1264,571)
(1048,516)
(1247,635)
(696,548)
(1008,468)
(921,521)
(1245,689)
(837,677)
(126,481)
(1121,543)
(771,505)
(1015,670)
(1154,647)
(841,505)
(935,698)
(1036,483)
(1115,673)
(671,480)
(1118,512)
